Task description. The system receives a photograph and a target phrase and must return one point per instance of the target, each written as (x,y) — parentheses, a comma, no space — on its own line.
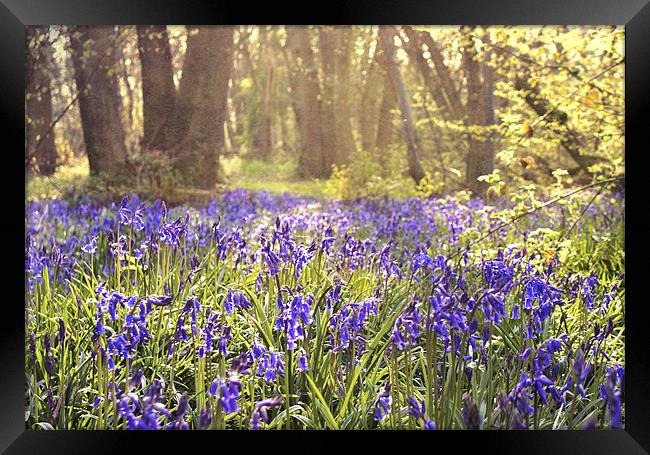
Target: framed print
(386,216)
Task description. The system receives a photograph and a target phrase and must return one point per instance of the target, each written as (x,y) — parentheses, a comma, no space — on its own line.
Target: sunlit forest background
(336,111)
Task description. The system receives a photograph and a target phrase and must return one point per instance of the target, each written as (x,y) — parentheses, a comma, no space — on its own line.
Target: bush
(371,174)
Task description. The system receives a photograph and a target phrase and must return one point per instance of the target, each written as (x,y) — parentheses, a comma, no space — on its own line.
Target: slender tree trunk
(266,118)
(327,44)
(345,145)
(450,91)
(94,61)
(311,162)
(292,90)
(266,113)
(40,149)
(414,50)
(480,155)
(230,128)
(158,89)
(373,93)
(389,58)
(128,101)
(240,71)
(386,116)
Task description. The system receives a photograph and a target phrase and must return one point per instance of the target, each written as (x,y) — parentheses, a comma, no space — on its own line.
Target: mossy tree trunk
(94,60)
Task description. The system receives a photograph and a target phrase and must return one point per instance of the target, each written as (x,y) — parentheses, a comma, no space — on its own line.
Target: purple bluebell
(406,328)
(612,398)
(260,413)
(383,404)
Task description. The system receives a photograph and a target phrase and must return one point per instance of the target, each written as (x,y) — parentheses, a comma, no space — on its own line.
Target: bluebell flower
(124,214)
(590,424)
(224,336)
(32,346)
(91,247)
(148,410)
(179,422)
(159,300)
(327,240)
(302,363)
(612,398)
(294,318)
(406,328)
(270,258)
(61,331)
(588,287)
(498,275)
(384,400)
(422,260)
(416,409)
(205,417)
(229,393)
(49,361)
(260,412)
(582,370)
(235,299)
(350,321)
(334,294)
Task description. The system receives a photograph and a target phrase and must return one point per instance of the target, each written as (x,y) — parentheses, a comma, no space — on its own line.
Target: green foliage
(148,174)
(371,174)
(67,179)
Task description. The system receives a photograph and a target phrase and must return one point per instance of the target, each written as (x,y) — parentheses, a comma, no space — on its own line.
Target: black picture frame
(634,14)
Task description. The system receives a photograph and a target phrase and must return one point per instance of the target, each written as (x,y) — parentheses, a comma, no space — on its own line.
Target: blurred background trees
(362,110)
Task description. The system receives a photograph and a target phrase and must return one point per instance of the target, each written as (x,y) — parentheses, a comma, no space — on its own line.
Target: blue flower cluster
(291,292)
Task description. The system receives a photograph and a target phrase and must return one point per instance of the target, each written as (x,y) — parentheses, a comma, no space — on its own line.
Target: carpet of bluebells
(273,311)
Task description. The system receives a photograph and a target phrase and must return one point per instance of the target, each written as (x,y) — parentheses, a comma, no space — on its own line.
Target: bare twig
(535,209)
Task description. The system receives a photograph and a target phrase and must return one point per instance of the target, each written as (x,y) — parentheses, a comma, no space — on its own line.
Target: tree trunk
(480,155)
(200,108)
(369,112)
(188,90)
(94,61)
(266,113)
(452,94)
(241,70)
(389,59)
(327,44)
(292,90)
(415,52)
(345,145)
(311,162)
(158,89)
(338,141)
(40,149)
(385,119)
